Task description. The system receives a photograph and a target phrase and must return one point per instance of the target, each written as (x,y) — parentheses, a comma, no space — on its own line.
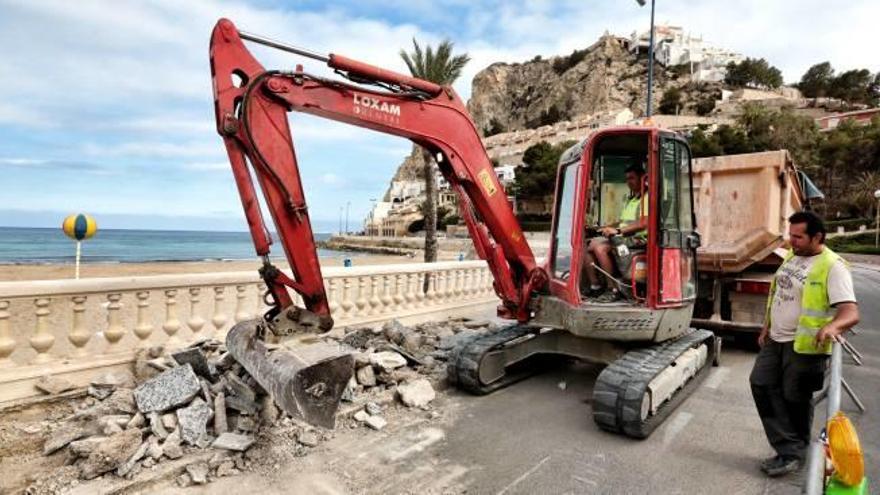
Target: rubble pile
(193,399)
(199,404)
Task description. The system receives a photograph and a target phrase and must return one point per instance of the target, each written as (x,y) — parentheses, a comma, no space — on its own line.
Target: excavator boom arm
(251,106)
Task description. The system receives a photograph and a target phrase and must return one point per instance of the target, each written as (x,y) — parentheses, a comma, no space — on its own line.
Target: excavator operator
(632,226)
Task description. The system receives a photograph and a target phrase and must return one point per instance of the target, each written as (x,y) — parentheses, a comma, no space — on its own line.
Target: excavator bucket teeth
(306,382)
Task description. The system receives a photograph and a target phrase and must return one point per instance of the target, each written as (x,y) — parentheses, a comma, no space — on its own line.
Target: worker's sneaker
(608,296)
(780,466)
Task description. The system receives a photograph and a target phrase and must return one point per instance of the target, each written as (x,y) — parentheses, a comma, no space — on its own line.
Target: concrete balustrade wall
(76,328)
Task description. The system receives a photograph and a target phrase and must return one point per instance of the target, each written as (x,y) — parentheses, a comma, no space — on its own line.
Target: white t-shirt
(786,307)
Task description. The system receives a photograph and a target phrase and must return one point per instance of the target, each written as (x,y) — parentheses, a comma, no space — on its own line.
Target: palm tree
(443,68)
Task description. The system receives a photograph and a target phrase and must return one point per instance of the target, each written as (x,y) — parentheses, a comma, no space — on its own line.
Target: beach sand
(10,273)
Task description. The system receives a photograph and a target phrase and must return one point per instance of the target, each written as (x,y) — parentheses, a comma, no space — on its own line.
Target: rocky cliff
(605,76)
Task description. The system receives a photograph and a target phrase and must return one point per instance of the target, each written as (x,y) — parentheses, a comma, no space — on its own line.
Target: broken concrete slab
(171,447)
(53,385)
(169,421)
(84,447)
(195,357)
(417,393)
(221,425)
(242,405)
(366,376)
(198,472)
(110,454)
(193,421)
(233,441)
(170,389)
(99,393)
(120,401)
(157,427)
(387,360)
(66,434)
(238,387)
(376,422)
(308,438)
(372,408)
(128,465)
(361,416)
(114,379)
(136,421)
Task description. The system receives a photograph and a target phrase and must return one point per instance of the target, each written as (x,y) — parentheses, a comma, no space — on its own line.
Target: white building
(401,190)
(673,47)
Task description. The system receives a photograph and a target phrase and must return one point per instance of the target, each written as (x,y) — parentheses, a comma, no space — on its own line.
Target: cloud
(207,166)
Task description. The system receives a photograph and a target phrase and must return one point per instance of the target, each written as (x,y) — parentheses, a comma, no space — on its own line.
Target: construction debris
(200,398)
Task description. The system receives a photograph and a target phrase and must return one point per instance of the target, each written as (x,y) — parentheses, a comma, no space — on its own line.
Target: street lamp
(347,206)
(340,220)
(877,220)
(372,216)
(650,57)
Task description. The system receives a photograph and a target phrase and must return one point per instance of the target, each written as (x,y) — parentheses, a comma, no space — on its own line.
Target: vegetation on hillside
(753,73)
(857,86)
(537,177)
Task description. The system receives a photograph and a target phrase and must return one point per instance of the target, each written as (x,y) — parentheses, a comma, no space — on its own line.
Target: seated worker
(633,224)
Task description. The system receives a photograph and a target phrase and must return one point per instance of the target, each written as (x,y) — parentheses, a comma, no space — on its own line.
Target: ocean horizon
(43,245)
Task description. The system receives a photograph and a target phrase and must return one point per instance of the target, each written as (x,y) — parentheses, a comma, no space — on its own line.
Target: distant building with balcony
(672,46)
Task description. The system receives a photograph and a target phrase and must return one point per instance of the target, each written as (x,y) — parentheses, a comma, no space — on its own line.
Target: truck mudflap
(306,382)
(635,393)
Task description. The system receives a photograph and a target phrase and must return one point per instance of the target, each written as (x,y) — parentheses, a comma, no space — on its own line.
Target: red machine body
(251,106)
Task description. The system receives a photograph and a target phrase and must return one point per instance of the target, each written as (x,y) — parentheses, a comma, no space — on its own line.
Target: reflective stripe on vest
(630,213)
(815,308)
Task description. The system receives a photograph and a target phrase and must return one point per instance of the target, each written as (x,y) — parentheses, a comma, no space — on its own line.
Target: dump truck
(742,205)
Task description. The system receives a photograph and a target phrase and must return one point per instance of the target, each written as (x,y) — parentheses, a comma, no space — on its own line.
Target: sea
(51,246)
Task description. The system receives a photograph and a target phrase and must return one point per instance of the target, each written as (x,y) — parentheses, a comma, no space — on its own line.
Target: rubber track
(618,391)
(464,362)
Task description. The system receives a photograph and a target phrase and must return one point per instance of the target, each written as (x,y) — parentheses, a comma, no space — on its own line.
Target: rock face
(605,76)
(168,390)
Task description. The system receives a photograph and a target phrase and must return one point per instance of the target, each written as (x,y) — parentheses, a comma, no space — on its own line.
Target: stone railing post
(240,296)
(409,280)
(79,334)
(219,319)
(387,299)
(375,302)
(346,304)
(7,343)
(143,329)
(42,340)
(115,331)
(361,301)
(172,324)
(399,292)
(333,296)
(195,321)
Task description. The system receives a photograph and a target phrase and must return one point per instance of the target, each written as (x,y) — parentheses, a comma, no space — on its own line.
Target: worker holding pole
(811,303)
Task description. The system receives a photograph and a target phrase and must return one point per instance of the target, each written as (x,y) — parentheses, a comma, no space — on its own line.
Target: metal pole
(877,221)
(814,478)
(256,38)
(347,206)
(340,221)
(76,271)
(651,62)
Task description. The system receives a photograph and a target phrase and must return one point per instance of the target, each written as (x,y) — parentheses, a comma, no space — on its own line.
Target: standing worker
(796,339)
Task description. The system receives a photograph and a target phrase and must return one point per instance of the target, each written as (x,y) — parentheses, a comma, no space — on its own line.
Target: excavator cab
(654,269)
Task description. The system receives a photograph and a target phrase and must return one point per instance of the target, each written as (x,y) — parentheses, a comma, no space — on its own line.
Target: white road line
(675,426)
(524,475)
(717,378)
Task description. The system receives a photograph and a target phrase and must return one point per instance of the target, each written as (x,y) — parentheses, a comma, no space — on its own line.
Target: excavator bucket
(306,382)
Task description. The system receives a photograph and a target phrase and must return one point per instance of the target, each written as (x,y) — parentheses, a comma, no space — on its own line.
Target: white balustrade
(42,340)
(49,326)
(219,319)
(143,329)
(7,343)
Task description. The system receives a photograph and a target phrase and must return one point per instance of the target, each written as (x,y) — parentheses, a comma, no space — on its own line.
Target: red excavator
(653,357)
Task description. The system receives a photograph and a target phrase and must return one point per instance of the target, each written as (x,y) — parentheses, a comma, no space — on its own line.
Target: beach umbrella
(79,227)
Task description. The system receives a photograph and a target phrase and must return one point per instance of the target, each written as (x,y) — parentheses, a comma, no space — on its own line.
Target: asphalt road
(535,437)
(538,437)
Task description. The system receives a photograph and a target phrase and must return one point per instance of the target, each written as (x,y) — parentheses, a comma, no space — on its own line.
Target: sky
(106,106)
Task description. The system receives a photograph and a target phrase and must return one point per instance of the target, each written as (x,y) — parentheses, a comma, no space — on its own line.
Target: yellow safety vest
(630,213)
(816,311)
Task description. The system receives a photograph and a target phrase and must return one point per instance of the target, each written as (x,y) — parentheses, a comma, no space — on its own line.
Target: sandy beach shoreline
(9,273)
